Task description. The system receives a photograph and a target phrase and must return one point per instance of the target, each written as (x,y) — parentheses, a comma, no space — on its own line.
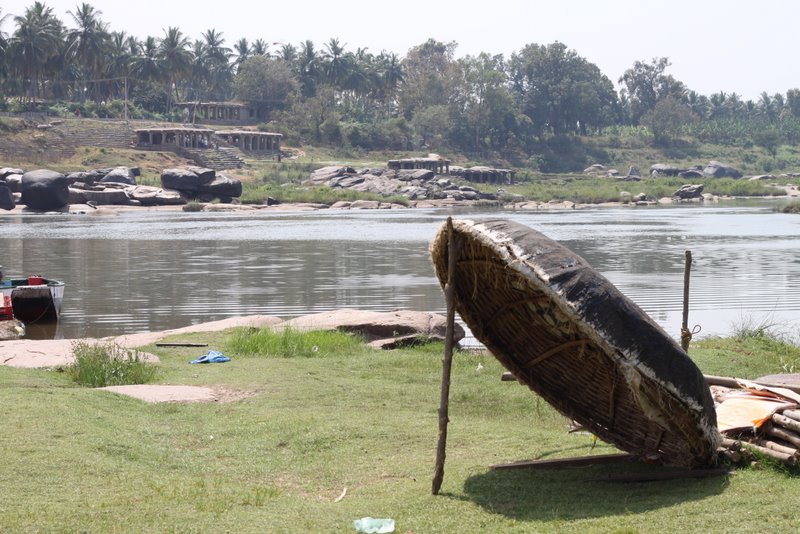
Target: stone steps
(215,158)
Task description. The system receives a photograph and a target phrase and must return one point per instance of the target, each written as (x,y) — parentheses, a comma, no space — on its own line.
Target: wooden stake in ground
(447,360)
(686,335)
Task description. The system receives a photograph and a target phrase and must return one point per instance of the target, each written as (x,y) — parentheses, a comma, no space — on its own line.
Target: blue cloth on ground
(212,356)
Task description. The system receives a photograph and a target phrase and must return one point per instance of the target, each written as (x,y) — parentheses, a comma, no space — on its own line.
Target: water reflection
(152,271)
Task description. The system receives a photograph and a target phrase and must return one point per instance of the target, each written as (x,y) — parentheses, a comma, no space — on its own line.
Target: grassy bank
(317,422)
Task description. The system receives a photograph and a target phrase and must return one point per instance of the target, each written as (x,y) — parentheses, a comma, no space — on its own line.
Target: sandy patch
(171,393)
(33,353)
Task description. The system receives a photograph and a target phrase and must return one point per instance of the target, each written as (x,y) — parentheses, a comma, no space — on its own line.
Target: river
(145,270)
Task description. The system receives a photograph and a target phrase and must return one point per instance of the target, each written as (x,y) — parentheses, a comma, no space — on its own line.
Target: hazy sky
(714,45)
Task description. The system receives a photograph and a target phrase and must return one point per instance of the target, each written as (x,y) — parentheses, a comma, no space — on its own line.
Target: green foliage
(99,365)
(791,207)
(289,343)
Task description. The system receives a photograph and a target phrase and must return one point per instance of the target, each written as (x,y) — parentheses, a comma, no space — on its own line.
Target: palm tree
(308,68)
(118,62)
(336,63)
(145,64)
(3,49)
(288,53)
(87,43)
(242,50)
(217,67)
(34,43)
(260,48)
(176,60)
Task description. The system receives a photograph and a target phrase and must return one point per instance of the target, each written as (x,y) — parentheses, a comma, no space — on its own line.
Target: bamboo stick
(447,360)
(786,422)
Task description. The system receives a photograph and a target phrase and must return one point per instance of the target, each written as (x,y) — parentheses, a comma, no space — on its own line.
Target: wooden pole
(447,360)
(686,335)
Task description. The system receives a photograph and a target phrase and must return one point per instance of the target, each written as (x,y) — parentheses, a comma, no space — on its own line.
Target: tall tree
(34,43)
(267,83)
(175,60)
(431,76)
(87,45)
(241,49)
(646,84)
(560,91)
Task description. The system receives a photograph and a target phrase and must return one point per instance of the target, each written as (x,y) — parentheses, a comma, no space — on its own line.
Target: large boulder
(222,187)
(6,198)
(120,175)
(6,171)
(662,169)
(155,196)
(14,182)
(180,179)
(689,191)
(204,174)
(408,175)
(381,329)
(44,189)
(320,176)
(720,170)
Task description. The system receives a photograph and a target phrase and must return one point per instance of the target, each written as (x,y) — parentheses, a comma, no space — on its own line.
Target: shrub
(99,365)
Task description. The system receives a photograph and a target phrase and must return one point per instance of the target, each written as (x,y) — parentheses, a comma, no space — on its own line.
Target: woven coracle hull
(572,337)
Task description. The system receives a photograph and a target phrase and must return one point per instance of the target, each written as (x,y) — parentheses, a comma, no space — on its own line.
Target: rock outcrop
(44,189)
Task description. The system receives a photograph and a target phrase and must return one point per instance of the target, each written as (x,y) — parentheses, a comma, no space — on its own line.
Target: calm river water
(157,270)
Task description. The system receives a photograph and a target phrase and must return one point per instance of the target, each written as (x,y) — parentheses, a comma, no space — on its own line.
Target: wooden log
(447,359)
(788,459)
(772,445)
(786,422)
(782,433)
(791,414)
(561,463)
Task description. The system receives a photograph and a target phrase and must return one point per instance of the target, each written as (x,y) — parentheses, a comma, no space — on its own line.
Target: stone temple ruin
(184,137)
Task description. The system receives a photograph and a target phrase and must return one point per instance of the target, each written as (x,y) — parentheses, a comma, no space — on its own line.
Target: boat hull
(35,303)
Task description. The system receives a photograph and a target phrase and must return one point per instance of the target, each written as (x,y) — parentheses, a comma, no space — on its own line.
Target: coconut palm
(288,53)
(242,51)
(175,58)
(308,68)
(260,48)
(336,64)
(145,64)
(33,45)
(87,43)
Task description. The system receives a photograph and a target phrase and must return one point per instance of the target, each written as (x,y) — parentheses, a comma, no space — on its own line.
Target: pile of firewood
(779,438)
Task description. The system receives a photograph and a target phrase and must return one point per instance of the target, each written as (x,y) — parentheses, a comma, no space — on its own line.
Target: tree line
(517,109)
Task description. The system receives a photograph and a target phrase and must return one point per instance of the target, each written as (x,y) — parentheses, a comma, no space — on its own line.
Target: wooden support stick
(786,422)
(447,360)
(686,335)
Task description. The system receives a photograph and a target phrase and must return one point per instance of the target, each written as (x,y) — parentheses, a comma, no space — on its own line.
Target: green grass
(99,365)
(791,207)
(76,459)
(289,343)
